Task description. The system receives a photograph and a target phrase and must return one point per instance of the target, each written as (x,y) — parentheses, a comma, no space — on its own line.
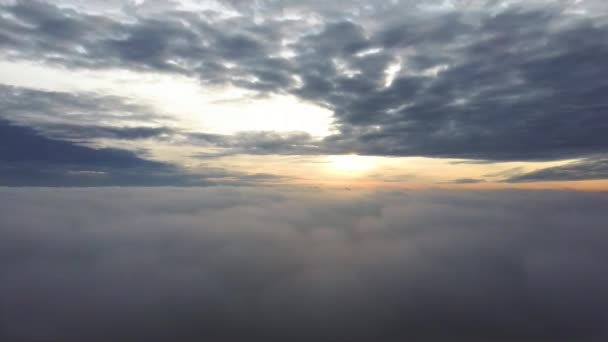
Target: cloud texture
(227,264)
(478,79)
(474,79)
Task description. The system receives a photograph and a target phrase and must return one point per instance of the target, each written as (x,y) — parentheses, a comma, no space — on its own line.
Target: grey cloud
(402,178)
(31,159)
(467,181)
(230,264)
(64,111)
(28,158)
(586,169)
(260,143)
(76,132)
(174,42)
(40,132)
(519,94)
(507,172)
(23,144)
(483,80)
(74,117)
(75,175)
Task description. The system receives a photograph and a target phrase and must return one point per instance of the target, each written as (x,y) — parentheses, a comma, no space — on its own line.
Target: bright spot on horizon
(351,162)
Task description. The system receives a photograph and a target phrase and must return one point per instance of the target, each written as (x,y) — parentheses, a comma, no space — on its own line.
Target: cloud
(259,143)
(586,169)
(241,264)
(509,172)
(467,181)
(23,144)
(76,132)
(519,94)
(28,158)
(75,117)
(480,80)
(78,113)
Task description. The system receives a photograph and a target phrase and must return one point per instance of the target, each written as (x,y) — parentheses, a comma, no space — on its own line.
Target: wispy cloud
(591,168)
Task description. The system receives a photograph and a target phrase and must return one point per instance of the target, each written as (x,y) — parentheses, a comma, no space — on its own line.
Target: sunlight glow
(184,101)
(391,72)
(351,162)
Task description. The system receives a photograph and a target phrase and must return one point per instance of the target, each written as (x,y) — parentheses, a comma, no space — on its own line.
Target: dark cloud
(228,264)
(586,169)
(259,143)
(174,42)
(65,112)
(481,80)
(28,158)
(76,132)
(24,145)
(517,95)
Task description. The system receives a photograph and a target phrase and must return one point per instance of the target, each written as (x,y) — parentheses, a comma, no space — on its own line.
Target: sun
(351,162)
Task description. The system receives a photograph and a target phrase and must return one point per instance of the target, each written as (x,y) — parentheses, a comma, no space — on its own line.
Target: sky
(282,170)
(358,94)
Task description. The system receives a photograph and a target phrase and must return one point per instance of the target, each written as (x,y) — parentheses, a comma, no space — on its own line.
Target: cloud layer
(591,168)
(475,79)
(230,264)
(29,158)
